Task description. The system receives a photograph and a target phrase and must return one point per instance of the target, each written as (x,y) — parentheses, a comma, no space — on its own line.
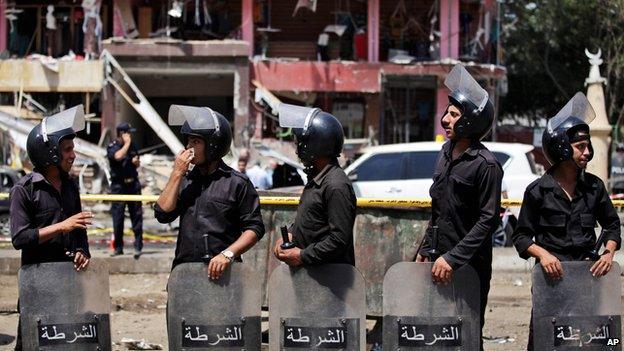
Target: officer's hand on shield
(551,265)
(420,258)
(78,221)
(81,261)
(183,160)
(441,272)
(603,265)
(217,266)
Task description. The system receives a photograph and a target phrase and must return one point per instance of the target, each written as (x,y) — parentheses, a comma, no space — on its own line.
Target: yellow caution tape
(279,200)
(115,197)
(130,233)
(294,201)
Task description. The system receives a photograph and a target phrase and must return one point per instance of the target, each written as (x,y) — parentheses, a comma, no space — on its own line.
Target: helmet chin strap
(309,170)
(308,167)
(44,131)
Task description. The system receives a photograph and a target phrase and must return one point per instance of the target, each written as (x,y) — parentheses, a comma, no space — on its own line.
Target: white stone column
(600,129)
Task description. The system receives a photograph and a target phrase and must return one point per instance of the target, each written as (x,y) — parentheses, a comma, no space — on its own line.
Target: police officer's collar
(548,180)
(582,181)
(318,179)
(222,168)
(472,150)
(36,176)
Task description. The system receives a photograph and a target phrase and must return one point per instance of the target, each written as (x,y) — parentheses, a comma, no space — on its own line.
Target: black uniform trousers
(135,208)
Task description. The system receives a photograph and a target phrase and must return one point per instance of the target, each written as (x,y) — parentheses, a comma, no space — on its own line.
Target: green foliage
(545,42)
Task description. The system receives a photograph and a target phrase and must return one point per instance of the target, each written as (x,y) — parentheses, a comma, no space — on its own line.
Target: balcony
(62,76)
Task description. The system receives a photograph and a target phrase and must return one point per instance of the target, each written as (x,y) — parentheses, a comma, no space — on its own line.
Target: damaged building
(378,65)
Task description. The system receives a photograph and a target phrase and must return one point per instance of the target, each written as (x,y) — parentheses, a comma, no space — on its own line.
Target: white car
(406,170)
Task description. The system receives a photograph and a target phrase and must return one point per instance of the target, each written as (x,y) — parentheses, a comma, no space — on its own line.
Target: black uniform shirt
(563,227)
(36,204)
(465,194)
(222,204)
(323,226)
(124,168)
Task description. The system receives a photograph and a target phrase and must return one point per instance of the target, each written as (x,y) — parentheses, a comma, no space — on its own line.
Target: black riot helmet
(317,133)
(562,130)
(473,101)
(205,123)
(43,143)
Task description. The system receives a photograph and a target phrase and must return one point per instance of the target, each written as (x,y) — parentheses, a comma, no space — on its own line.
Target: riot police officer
(47,221)
(560,209)
(219,208)
(124,161)
(466,190)
(323,228)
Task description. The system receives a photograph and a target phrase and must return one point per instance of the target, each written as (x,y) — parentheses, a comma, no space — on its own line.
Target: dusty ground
(139,310)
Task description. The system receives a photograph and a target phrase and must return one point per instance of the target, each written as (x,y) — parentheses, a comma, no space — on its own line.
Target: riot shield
(62,309)
(215,315)
(577,311)
(317,308)
(422,315)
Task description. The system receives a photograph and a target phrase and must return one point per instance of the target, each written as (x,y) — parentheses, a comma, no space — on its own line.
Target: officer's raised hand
(217,266)
(441,272)
(551,265)
(603,265)
(183,160)
(78,221)
(126,137)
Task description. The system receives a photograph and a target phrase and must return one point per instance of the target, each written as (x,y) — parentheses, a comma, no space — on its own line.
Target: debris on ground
(132,344)
(499,340)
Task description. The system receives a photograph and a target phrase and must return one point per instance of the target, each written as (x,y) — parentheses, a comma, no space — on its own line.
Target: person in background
(123,158)
(259,177)
(241,165)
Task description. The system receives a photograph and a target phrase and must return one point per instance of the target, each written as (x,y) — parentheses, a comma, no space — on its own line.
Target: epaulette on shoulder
(533,184)
(488,156)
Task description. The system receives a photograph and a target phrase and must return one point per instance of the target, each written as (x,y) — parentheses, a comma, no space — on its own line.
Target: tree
(545,42)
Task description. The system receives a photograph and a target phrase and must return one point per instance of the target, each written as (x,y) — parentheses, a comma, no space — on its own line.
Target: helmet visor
(198,118)
(459,80)
(578,107)
(71,118)
(293,116)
